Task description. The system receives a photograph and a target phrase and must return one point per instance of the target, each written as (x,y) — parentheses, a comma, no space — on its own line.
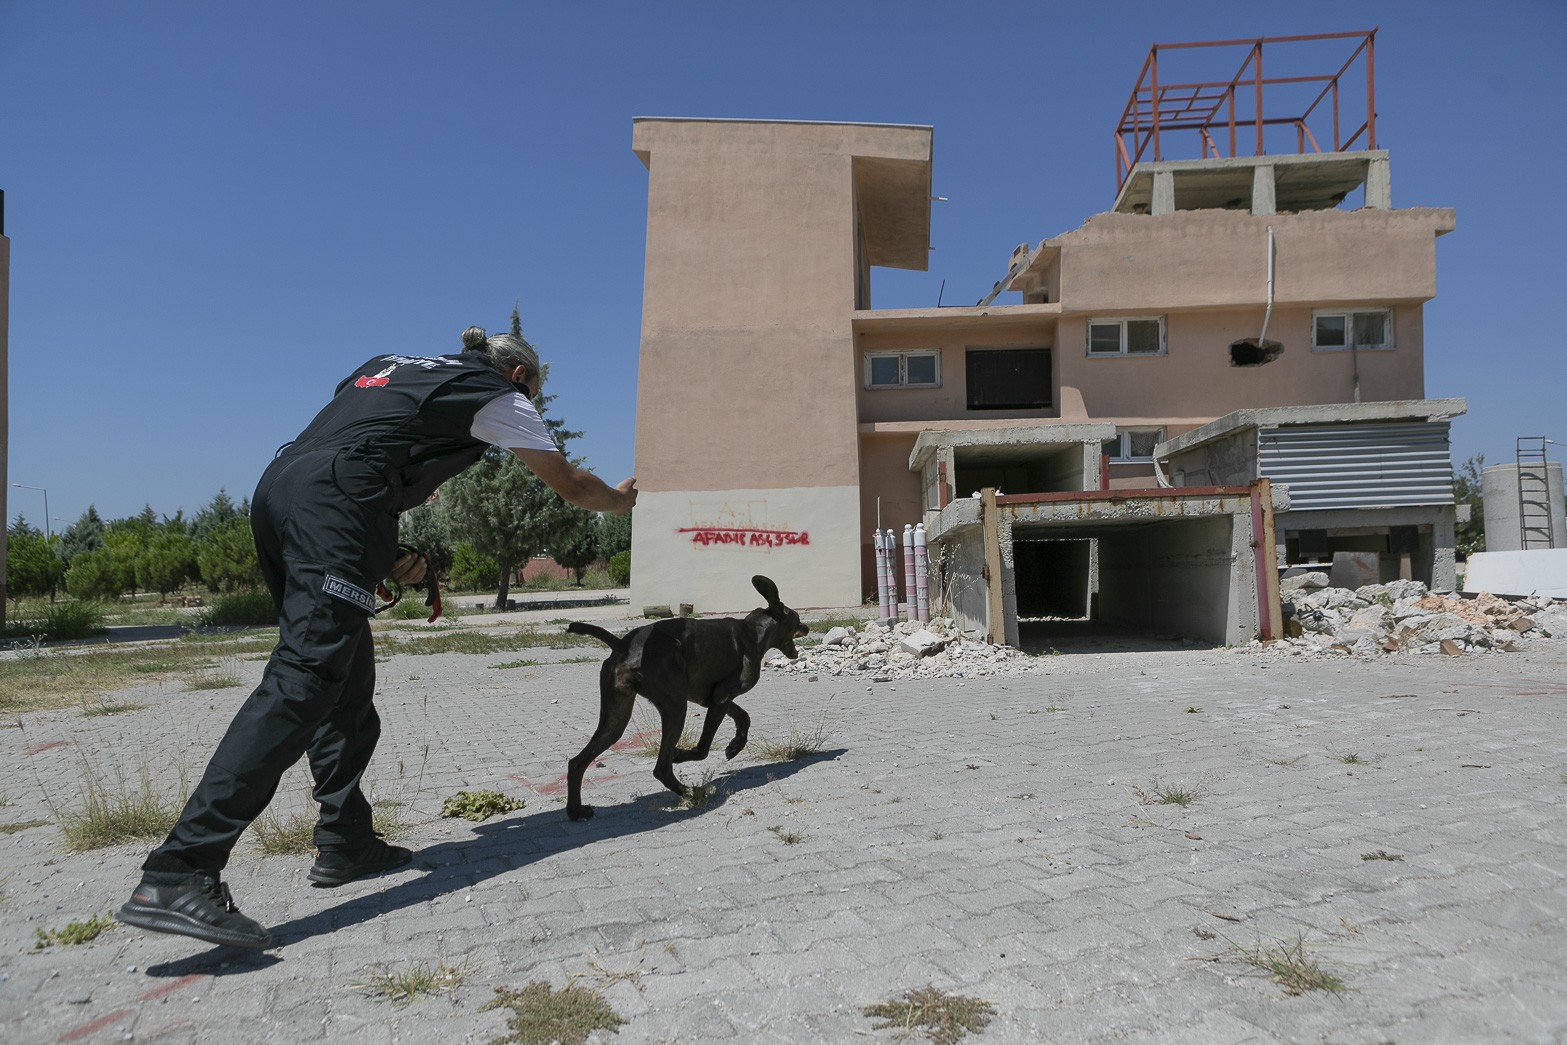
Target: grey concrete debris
(1397,617)
(906,650)
(1404,617)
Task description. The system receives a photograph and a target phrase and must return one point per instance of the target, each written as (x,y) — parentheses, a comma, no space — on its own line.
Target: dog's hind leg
(616,698)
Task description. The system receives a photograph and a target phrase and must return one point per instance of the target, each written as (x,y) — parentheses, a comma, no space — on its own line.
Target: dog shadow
(495,848)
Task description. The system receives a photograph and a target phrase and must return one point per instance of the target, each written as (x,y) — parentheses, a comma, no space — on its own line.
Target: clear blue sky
(217,209)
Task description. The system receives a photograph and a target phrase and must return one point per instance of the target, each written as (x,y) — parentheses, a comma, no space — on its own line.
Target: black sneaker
(194,904)
(334,867)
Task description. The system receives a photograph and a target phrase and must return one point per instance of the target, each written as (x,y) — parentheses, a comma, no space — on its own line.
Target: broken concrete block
(837,637)
(1304,582)
(923,643)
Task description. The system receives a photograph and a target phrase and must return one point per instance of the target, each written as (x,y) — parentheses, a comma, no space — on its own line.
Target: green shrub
(620,569)
(479,805)
(72,620)
(472,571)
(243,609)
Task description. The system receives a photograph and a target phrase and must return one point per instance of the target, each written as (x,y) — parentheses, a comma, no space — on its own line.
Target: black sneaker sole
(332,877)
(159,920)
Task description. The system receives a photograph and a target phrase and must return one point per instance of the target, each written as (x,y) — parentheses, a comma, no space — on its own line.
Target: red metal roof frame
(1155,108)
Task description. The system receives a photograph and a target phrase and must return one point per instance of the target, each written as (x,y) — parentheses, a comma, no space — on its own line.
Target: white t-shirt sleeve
(511,422)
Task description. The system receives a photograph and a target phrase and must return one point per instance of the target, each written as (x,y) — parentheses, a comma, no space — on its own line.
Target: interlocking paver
(954,832)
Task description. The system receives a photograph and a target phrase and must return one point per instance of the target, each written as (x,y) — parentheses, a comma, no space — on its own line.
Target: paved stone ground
(986,836)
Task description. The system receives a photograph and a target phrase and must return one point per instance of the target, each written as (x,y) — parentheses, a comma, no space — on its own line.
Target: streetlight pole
(48,536)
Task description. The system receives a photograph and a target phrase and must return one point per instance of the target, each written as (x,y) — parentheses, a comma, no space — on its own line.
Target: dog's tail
(609,639)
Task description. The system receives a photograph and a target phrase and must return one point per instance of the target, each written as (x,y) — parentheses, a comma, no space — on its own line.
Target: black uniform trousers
(326,534)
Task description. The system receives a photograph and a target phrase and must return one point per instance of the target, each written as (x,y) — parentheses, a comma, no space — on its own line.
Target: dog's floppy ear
(767,588)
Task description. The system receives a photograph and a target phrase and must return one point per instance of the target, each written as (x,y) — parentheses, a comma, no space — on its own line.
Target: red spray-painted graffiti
(745,536)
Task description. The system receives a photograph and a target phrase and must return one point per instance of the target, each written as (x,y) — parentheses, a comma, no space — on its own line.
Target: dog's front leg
(715,715)
(673,715)
(742,729)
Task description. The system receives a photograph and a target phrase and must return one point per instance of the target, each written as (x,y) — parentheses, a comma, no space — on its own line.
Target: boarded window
(1008,378)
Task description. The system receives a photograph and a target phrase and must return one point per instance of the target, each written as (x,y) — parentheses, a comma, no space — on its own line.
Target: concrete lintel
(1323,414)
(1051,437)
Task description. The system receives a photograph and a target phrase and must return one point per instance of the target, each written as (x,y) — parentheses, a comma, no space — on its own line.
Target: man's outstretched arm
(582,488)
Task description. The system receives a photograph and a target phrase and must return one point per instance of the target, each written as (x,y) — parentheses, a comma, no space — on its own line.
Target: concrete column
(1379,184)
(1264,198)
(1163,193)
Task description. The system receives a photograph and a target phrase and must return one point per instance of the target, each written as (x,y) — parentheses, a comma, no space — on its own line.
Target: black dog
(670,662)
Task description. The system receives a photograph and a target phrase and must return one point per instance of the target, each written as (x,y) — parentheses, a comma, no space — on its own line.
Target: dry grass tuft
(944,1017)
(540,1015)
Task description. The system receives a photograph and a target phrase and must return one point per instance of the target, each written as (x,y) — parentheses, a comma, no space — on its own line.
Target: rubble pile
(906,650)
(1403,616)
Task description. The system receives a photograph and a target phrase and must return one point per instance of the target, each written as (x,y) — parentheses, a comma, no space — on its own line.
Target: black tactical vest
(408,418)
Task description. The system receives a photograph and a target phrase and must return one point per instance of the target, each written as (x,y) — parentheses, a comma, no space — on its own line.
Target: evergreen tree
(166,561)
(31,567)
(226,557)
(83,535)
(577,547)
(493,506)
(218,512)
(614,534)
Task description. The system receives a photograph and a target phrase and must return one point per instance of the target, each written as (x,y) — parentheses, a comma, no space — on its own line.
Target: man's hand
(409,569)
(627,489)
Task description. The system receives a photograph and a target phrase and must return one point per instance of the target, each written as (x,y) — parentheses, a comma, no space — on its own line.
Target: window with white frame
(1340,331)
(1133,444)
(1130,336)
(908,368)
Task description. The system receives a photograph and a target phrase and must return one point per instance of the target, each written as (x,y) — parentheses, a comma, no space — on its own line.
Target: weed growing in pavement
(74,932)
(515,664)
(581,660)
(1352,759)
(787,837)
(479,805)
(5,800)
(943,1017)
(111,817)
(797,745)
(1168,794)
(540,1015)
(1285,761)
(212,676)
(1380,854)
(1289,966)
(1193,709)
(420,979)
(698,794)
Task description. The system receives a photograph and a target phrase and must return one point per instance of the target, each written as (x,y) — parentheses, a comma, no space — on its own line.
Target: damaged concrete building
(1143,421)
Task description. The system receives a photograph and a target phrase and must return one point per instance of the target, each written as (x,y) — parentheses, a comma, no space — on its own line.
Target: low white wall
(702,547)
(1540,571)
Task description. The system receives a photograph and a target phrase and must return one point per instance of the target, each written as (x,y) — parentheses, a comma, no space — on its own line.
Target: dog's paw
(581,813)
(735,747)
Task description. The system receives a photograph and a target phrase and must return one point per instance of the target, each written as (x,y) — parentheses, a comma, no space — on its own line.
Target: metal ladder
(1534,498)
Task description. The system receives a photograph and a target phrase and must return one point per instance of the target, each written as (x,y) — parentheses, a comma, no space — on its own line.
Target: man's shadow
(496,848)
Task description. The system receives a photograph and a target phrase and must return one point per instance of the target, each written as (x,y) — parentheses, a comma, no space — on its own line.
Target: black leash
(432,600)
